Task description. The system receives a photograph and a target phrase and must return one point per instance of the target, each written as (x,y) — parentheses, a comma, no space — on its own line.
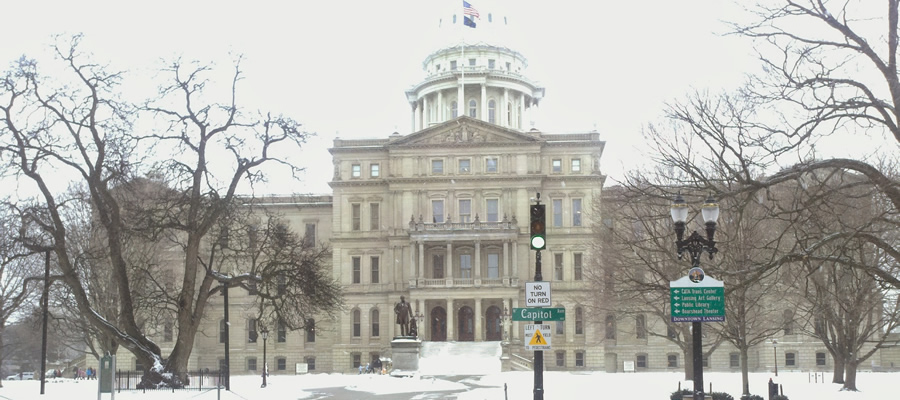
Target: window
(576,165)
(356,171)
(252,236)
(281,363)
(310,363)
(310,238)
(672,361)
(454,108)
(465,166)
(357,270)
(705,361)
(471,62)
(734,360)
(310,330)
(251,364)
(491,165)
(437,211)
(560,359)
(790,359)
(437,270)
(611,326)
(465,266)
(788,322)
(576,212)
(376,331)
(437,68)
(640,327)
(281,332)
(641,361)
(251,288)
(473,108)
(222,331)
(492,111)
(508,66)
(453,63)
(579,359)
(375,270)
(374,216)
(356,217)
(819,326)
(508,114)
(576,265)
(167,332)
(560,327)
(281,283)
(251,330)
(820,359)
(437,167)
(465,210)
(374,170)
(556,166)
(493,261)
(357,360)
(490,62)
(557,213)
(671,332)
(138,366)
(579,321)
(493,210)
(558,266)
(357,328)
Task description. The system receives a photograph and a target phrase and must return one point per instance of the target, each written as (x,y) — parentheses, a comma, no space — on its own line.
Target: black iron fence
(203,379)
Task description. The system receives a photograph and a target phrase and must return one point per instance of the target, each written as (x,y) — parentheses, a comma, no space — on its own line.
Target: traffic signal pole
(538,243)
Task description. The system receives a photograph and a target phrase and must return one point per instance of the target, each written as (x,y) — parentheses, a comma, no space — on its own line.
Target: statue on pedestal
(404,314)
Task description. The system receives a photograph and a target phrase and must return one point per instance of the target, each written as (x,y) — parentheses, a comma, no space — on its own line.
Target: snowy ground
(557,386)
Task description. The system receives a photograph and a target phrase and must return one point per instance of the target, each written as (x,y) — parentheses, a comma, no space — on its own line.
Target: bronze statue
(403,312)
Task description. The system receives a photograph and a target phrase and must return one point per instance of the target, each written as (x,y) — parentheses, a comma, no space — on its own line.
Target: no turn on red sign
(537,294)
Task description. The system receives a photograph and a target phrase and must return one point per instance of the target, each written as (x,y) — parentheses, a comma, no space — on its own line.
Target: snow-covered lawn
(557,386)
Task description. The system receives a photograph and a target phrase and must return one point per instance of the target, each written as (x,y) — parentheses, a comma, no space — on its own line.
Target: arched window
(357,328)
(492,111)
(473,108)
(508,114)
(454,109)
(375,327)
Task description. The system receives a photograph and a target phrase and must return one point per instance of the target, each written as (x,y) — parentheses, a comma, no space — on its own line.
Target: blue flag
(468,22)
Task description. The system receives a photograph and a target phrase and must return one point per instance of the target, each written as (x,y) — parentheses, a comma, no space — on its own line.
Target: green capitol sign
(539,314)
(697,300)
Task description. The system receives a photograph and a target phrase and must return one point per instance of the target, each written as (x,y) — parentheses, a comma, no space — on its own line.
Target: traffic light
(538,228)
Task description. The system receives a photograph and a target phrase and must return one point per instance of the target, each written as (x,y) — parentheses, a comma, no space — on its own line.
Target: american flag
(468,10)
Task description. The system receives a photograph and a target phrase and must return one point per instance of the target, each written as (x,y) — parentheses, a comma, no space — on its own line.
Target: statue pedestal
(405,355)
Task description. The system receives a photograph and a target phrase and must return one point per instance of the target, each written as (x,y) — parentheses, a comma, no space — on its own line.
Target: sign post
(697,298)
(106,376)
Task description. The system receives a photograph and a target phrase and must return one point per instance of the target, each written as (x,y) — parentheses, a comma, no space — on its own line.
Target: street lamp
(775,354)
(265,335)
(420,318)
(695,245)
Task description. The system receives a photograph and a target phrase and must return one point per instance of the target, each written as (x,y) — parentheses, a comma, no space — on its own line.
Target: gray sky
(341,67)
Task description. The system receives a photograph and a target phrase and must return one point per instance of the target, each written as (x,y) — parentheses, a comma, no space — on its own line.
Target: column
(421,116)
(448,268)
(515,258)
(479,335)
(483,102)
(477,262)
(413,116)
(504,109)
(451,317)
(440,106)
(425,116)
(515,324)
(412,262)
(460,99)
(520,113)
(421,260)
(506,259)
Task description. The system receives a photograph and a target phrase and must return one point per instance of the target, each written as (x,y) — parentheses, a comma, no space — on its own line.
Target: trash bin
(773,389)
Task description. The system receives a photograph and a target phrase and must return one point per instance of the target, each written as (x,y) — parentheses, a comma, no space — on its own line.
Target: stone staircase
(460,358)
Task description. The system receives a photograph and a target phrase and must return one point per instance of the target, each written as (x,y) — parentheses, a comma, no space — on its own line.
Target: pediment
(463,131)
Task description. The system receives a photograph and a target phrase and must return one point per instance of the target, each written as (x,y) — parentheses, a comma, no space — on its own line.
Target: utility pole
(538,243)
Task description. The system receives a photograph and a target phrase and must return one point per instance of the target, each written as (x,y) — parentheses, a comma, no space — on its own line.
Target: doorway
(494,324)
(438,324)
(466,318)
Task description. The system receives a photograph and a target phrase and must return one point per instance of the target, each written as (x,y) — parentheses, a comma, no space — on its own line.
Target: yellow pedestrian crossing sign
(537,336)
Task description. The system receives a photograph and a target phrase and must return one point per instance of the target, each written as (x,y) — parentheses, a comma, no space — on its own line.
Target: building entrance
(494,324)
(438,324)
(466,320)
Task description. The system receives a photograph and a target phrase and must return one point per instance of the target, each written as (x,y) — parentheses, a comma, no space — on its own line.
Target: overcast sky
(341,67)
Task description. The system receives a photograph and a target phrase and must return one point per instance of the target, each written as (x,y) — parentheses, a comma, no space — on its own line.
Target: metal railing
(203,379)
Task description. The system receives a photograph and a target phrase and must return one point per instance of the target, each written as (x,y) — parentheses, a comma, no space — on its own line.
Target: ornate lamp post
(265,335)
(695,245)
(420,319)
(775,354)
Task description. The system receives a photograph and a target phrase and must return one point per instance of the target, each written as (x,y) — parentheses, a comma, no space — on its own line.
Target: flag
(468,10)
(468,22)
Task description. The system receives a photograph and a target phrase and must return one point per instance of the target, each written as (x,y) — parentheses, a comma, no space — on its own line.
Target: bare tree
(208,150)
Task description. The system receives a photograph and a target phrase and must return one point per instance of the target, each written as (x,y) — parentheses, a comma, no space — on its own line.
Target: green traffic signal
(538,227)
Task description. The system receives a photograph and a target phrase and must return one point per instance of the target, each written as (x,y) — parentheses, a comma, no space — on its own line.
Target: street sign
(539,314)
(537,294)
(537,336)
(697,298)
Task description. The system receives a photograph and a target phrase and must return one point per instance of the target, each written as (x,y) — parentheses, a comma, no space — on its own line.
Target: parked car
(24,376)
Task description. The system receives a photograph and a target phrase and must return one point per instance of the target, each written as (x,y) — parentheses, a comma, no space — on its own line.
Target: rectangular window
(465,266)
(356,217)
(356,170)
(310,363)
(222,328)
(465,210)
(310,330)
(641,361)
(374,170)
(374,216)
(734,360)
(576,212)
(281,333)
(560,359)
(282,363)
(576,165)
(576,265)
(453,65)
(251,364)
(491,64)
(490,164)
(310,238)
(437,211)
(672,361)
(471,62)
(557,213)
(611,326)
(357,270)
(508,66)
(357,324)
(252,236)
(820,359)
(375,270)
(167,332)
(560,327)
(437,167)
(251,331)
(790,359)
(493,270)
(357,360)
(579,321)
(556,166)
(579,359)
(640,327)
(437,268)
(465,166)
(493,210)
(376,324)
(558,266)
(705,361)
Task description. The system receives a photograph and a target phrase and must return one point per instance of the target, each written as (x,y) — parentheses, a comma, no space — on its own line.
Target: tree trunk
(850,376)
(838,376)
(745,376)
